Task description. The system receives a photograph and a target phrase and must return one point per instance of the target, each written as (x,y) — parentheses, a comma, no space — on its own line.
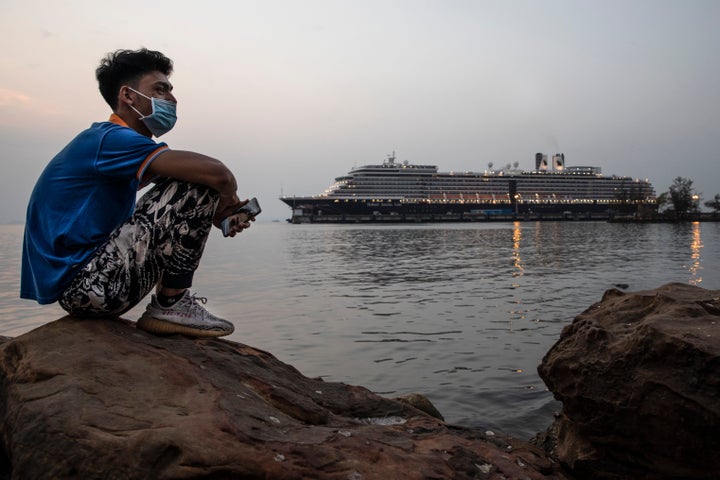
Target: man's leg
(162,242)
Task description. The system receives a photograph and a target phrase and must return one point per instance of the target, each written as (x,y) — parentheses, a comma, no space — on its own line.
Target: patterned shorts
(163,241)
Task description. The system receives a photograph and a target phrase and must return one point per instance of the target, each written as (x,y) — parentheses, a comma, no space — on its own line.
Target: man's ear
(125,96)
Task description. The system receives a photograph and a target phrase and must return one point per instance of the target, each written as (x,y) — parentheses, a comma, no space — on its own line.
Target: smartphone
(247,212)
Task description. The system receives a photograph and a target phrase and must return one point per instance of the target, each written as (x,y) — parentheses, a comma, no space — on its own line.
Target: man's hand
(239,227)
(225,208)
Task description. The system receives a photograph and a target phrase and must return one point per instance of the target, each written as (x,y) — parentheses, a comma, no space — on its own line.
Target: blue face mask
(163,116)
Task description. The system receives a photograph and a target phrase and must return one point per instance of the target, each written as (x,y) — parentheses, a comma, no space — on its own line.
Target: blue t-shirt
(84,193)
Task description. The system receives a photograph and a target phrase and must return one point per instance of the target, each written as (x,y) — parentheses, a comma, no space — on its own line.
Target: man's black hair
(125,67)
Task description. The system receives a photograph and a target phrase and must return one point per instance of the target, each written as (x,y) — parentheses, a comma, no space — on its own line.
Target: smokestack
(559,162)
(541,162)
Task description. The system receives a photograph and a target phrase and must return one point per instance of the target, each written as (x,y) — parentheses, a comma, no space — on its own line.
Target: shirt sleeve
(124,153)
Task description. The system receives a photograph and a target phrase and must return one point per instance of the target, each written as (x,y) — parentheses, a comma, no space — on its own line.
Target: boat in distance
(404,192)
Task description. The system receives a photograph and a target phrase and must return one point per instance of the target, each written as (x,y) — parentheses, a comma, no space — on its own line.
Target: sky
(292,93)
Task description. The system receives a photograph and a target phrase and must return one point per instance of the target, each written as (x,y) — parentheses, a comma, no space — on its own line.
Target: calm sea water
(462,313)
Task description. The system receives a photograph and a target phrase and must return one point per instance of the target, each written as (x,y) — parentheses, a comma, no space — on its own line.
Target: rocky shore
(638,375)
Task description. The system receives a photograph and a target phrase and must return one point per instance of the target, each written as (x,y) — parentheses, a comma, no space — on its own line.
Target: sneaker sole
(163,327)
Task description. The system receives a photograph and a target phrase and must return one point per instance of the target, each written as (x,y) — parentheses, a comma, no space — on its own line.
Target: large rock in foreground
(103,400)
(639,378)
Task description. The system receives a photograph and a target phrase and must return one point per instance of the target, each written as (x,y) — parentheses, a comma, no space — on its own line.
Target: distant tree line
(682,202)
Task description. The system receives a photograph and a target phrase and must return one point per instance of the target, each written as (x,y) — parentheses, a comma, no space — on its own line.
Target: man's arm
(198,168)
(195,168)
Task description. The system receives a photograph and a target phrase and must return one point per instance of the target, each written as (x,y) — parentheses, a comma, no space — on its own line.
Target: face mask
(163,116)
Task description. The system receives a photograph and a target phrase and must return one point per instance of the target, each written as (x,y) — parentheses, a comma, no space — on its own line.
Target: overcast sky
(292,93)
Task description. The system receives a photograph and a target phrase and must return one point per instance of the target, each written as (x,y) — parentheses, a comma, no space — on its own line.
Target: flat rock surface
(639,378)
(98,399)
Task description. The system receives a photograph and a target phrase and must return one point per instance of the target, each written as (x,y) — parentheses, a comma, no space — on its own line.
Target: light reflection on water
(462,313)
(517,236)
(696,246)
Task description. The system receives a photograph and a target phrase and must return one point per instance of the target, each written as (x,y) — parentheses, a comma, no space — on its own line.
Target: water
(462,313)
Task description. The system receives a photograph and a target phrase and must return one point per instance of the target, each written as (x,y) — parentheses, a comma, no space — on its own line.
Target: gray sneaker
(186,317)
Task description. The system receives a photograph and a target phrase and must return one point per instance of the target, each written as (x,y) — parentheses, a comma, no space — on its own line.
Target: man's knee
(181,197)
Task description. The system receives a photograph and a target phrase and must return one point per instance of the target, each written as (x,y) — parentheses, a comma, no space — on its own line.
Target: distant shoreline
(463,218)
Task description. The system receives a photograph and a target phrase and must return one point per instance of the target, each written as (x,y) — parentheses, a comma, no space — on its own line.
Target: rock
(421,402)
(99,399)
(638,375)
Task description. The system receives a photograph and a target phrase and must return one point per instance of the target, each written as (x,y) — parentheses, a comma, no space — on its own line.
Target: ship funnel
(559,162)
(541,162)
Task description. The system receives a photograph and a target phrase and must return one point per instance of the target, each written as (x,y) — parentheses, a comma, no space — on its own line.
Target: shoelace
(193,303)
(195,299)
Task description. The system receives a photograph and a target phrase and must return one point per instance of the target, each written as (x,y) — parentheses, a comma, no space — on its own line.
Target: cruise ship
(404,192)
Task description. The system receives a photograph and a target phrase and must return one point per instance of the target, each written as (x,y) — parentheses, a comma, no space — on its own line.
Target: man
(90,246)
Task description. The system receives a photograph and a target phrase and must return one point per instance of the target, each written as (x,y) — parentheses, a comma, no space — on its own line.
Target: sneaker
(186,317)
